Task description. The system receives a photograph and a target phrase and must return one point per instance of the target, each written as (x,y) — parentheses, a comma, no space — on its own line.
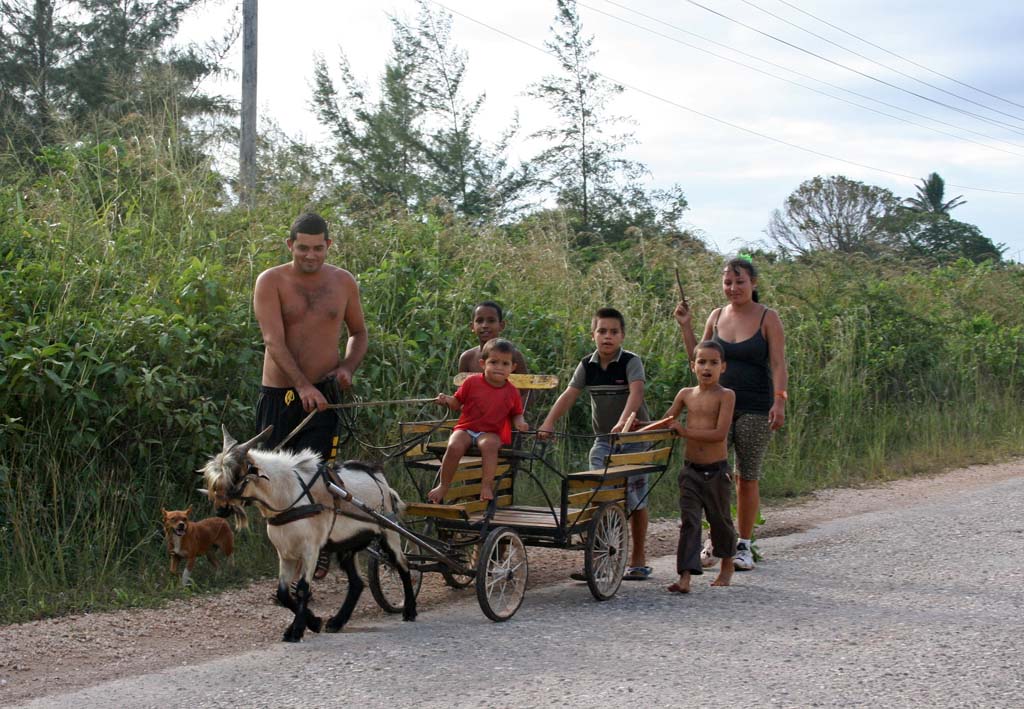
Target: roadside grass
(127,338)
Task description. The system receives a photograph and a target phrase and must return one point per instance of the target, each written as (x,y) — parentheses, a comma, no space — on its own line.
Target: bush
(127,338)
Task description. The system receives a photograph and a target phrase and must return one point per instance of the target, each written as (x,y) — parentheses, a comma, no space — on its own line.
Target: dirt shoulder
(73,652)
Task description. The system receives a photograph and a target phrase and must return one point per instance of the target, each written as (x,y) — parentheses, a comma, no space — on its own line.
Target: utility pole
(247,147)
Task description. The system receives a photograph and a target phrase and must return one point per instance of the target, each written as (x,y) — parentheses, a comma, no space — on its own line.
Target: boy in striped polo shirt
(614,378)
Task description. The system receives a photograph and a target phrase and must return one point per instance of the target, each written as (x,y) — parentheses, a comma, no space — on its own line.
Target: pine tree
(583,161)
(86,59)
(36,41)
(474,177)
(379,144)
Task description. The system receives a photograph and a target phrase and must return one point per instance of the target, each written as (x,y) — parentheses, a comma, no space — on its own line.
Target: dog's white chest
(177,545)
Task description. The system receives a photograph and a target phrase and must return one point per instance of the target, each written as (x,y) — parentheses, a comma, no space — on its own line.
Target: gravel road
(915,604)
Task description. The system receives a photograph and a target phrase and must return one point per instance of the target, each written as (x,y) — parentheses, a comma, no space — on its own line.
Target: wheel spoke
(502,579)
(606,552)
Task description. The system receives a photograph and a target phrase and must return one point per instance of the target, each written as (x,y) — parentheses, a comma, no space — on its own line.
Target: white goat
(290,491)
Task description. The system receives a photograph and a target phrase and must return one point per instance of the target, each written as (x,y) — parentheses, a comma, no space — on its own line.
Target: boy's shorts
(473,435)
(636,485)
(749,437)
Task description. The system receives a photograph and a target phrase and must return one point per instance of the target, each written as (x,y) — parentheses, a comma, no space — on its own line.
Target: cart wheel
(363,564)
(501,574)
(604,560)
(471,553)
(385,583)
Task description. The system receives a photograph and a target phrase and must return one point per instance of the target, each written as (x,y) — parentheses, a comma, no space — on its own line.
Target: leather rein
(294,511)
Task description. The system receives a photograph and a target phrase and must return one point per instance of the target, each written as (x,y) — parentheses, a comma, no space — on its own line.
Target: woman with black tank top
(755,355)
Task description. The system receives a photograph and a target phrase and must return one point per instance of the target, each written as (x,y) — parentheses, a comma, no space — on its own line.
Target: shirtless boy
(705,482)
(301,307)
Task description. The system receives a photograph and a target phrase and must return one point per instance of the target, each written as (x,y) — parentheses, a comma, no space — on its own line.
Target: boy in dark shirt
(614,377)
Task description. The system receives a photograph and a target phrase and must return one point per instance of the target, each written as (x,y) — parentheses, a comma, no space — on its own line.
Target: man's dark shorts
(282,408)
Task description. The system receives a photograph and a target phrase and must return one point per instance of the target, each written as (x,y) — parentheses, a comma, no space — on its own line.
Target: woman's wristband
(782,394)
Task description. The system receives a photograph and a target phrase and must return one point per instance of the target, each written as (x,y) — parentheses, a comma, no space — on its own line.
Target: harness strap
(296,513)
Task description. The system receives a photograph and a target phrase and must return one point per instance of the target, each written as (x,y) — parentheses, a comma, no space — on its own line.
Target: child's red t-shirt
(487,408)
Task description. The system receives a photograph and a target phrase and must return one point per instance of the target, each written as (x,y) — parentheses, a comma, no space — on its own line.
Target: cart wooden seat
(622,465)
(462,500)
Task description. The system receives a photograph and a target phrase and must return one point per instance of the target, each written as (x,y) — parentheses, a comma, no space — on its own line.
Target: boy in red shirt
(489,406)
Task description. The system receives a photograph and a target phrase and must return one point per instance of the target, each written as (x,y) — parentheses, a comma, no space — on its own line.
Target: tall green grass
(127,338)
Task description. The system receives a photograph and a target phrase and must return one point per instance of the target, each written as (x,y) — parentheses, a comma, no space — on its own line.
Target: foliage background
(126,269)
(127,338)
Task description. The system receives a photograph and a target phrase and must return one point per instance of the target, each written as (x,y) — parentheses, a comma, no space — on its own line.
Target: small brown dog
(187,539)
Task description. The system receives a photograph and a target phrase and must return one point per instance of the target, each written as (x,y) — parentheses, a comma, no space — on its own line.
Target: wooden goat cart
(471,541)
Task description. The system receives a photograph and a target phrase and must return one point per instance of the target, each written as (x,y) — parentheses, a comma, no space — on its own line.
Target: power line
(900,56)
(993,121)
(874,61)
(715,118)
(803,86)
(801,74)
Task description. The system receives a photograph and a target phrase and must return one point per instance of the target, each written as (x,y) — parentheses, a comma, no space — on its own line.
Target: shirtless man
(301,307)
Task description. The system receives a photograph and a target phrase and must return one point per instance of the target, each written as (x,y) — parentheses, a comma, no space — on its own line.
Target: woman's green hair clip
(745,257)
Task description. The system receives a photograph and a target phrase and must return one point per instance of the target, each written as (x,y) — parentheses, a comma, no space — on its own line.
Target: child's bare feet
(437,494)
(725,573)
(682,585)
(486,491)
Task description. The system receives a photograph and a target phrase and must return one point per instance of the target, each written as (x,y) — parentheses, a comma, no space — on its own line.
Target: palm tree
(929,197)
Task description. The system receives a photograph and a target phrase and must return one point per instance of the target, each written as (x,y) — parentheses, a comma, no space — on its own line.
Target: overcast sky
(732,177)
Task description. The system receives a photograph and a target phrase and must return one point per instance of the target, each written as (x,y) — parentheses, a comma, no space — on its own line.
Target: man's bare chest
(302,305)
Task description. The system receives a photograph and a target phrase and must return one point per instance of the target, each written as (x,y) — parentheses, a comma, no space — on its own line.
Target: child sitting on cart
(489,407)
(705,482)
(488,323)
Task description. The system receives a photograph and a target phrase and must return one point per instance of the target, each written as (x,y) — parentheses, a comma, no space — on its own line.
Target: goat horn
(229,440)
(259,437)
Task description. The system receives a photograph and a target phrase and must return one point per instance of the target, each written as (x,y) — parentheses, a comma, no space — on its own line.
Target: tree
(834,214)
(83,59)
(930,195)
(657,213)
(379,145)
(942,239)
(123,67)
(583,160)
(36,41)
(475,178)
(417,141)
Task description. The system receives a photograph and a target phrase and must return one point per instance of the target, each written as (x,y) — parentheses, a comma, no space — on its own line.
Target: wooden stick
(659,424)
(629,423)
(679,283)
(302,424)
(350,405)
(358,404)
